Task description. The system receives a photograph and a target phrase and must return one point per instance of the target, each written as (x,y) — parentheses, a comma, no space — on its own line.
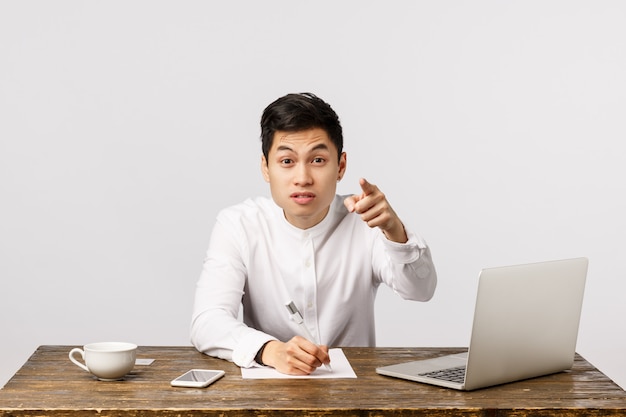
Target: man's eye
(318,160)
(286,161)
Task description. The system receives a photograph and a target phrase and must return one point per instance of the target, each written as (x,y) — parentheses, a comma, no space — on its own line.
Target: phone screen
(198,375)
(197,378)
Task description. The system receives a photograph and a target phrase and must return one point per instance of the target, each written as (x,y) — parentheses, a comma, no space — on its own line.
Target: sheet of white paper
(338,361)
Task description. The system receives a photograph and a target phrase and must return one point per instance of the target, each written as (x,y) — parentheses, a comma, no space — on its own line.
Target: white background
(495,128)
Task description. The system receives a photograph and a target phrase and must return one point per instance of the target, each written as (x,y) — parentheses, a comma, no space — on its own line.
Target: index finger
(366,186)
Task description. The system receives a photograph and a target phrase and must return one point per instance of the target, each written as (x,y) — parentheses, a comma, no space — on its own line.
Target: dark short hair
(297,112)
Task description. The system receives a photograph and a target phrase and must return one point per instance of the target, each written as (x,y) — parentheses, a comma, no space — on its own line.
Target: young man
(326,253)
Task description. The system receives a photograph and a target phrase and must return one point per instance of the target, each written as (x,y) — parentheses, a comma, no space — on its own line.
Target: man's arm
(407,266)
(216,329)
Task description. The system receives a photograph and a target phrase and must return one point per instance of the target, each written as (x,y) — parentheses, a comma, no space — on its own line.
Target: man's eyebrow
(283,148)
(320,146)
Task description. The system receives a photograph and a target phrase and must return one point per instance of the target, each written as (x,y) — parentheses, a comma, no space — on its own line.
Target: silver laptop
(525,325)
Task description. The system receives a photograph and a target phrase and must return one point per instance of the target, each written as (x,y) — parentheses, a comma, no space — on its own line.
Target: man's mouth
(302,197)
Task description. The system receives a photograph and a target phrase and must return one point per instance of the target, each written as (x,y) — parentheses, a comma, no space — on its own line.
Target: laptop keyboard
(451,374)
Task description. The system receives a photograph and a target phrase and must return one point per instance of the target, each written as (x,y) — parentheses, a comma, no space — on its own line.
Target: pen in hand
(297,317)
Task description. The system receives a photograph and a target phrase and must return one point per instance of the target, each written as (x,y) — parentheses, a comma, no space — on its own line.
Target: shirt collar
(316,230)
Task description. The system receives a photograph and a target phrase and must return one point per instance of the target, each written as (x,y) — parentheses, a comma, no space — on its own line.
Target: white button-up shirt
(331,272)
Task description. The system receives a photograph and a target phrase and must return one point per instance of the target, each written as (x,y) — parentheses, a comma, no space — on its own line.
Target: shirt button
(307,263)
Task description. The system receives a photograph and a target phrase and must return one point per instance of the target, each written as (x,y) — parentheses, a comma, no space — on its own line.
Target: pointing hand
(375,210)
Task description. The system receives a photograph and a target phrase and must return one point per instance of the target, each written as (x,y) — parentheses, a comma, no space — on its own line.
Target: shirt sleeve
(406,267)
(216,328)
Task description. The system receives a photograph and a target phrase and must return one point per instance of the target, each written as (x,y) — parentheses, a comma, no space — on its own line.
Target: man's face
(303,171)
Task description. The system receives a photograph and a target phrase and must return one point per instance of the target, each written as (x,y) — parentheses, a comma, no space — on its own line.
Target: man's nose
(303,175)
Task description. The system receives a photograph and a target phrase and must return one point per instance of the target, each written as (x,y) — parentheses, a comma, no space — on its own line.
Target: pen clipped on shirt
(295,315)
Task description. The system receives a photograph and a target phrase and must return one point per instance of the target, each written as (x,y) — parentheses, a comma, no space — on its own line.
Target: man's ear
(343,161)
(265,169)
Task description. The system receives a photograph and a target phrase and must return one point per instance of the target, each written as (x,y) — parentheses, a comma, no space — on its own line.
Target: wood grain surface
(50,385)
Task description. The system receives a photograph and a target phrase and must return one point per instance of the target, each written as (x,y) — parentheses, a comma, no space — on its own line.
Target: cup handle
(73,359)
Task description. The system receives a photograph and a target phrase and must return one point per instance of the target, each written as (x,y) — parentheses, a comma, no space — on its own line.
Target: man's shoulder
(251,208)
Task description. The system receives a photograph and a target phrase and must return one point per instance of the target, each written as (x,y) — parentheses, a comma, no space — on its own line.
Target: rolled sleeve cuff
(406,253)
(246,351)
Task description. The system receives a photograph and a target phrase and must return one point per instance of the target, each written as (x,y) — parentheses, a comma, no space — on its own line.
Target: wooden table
(49,384)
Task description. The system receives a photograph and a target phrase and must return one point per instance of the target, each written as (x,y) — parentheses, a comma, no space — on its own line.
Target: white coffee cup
(108,361)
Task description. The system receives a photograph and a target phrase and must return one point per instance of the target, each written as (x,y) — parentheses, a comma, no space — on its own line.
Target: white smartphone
(197,378)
